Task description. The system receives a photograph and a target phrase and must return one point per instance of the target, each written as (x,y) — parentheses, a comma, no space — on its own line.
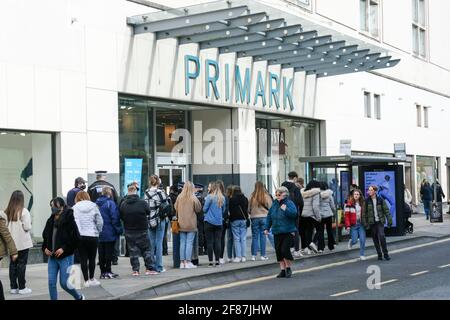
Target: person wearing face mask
(60,239)
(80,185)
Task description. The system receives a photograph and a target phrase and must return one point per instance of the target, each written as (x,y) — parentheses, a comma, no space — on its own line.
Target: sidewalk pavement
(127,285)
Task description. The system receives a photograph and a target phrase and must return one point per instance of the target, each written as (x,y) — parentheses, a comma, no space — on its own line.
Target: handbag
(175,225)
(247,220)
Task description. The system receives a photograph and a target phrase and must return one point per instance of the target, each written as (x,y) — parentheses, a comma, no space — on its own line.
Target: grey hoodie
(88,218)
(327,206)
(311,199)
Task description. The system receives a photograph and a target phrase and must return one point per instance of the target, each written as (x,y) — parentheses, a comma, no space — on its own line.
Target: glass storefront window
(424,171)
(167,121)
(26,165)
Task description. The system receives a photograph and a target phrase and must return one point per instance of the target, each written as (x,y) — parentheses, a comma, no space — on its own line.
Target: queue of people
(95,220)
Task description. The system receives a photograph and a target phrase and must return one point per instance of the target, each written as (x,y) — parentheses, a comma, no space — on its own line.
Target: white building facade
(80,91)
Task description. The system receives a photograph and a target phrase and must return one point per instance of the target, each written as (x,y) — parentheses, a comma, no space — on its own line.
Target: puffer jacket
(282,221)
(88,218)
(350,216)
(311,199)
(327,206)
(112,228)
(7,245)
(382,210)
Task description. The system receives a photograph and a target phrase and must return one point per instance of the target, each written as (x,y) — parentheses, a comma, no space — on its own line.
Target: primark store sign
(272,90)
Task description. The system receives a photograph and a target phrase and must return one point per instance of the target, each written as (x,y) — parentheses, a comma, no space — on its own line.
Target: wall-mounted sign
(400,150)
(279,93)
(346,147)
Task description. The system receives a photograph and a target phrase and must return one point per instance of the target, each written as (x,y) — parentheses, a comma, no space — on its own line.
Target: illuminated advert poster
(385,181)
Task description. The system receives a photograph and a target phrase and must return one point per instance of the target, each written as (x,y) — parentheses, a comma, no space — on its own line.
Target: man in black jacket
(95,189)
(134,213)
(296,196)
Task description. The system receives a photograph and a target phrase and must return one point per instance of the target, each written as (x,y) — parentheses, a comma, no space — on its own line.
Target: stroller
(409,226)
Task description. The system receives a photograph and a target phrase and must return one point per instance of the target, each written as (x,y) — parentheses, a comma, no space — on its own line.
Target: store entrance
(171,175)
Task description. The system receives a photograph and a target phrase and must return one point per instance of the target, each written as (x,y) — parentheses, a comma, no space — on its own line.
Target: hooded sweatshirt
(88,218)
(134,213)
(311,207)
(327,206)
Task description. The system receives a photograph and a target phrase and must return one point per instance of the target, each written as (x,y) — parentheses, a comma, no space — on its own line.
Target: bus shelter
(342,173)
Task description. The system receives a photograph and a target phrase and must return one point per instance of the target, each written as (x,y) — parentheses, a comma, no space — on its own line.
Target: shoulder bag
(247,220)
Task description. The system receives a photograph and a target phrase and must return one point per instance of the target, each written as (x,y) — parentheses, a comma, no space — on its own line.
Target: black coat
(439,193)
(238,207)
(67,237)
(134,213)
(95,190)
(295,195)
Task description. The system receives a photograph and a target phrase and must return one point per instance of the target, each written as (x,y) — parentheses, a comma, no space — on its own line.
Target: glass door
(171,175)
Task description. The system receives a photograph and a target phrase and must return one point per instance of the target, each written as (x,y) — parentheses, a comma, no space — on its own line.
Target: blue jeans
(427,207)
(239,229)
(186,243)
(271,238)
(358,231)
(230,248)
(258,237)
(156,245)
(62,266)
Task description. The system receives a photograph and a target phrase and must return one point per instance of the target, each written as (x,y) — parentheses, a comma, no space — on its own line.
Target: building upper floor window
(422,116)
(369,10)
(376,114)
(419,27)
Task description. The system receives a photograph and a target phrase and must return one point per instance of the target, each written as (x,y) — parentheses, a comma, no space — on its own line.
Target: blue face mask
(55,210)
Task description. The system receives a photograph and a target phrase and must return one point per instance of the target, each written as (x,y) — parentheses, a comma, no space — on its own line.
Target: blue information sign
(132,172)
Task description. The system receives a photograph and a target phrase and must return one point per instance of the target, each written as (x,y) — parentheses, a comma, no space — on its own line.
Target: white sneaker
(190,265)
(350,245)
(320,251)
(14,291)
(253,258)
(363,258)
(313,247)
(182,265)
(163,270)
(237,260)
(264,258)
(297,254)
(222,261)
(229,260)
(243,259)
(25,291)
(87,284)
(94,282)
(292,250)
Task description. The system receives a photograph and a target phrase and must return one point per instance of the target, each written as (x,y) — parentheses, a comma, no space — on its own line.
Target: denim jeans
(358,231)
(62,266)
(258,237)
(427,207)
(186,243)
(271,239)
(239,229)
(156,245)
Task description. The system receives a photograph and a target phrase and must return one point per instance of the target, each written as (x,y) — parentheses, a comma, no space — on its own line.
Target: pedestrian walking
(60,239)
(80,185)
(7,246)
(354,221)
(282,219)
(111,231)
(214,210)
(258,208)
(156,199)
(19,226)
(311,213)
(296,196)
(187,206)
(239,221)
(327,212)
(134,213)
(426,193)
(376,215)
(439,192)
(90,223)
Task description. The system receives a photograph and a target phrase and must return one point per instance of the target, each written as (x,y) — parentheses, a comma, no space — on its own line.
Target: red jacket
(350,214)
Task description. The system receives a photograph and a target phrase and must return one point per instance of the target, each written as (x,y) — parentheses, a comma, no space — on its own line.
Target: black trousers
(328,224)
(222,241)
(283,244)
(379,239)
(165,249)
(301,230)
(213,239)
(202,242)
(105,256)
(310,224)
(88,252)
(296,242)
(17,270)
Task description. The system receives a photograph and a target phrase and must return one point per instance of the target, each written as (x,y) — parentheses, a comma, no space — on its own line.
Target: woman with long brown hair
(19,225)
(258,207)
(354,221)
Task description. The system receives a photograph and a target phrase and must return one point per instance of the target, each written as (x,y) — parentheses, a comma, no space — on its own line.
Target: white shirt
(377,218)
(358,212)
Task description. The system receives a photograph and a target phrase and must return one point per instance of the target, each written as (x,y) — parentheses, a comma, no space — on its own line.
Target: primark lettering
(242,84)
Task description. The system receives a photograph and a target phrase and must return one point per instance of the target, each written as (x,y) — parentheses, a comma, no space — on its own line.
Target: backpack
(162,212)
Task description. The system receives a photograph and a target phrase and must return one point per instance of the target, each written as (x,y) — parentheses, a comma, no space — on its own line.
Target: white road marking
(344,293)
(419,273)
(444,266)
(385,282)
(331,265)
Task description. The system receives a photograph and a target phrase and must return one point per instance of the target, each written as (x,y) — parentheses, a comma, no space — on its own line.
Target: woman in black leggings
(90,223)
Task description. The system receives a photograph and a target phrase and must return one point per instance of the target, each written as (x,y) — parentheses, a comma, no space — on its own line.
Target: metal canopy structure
(256,29)
(349,160)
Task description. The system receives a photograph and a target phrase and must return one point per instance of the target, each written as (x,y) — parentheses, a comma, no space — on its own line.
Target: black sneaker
(217,264)
(288,272)
(380,257)
(113,275)
(211,265)
(115,263)
(386,257)
(282,274)
(103,276)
